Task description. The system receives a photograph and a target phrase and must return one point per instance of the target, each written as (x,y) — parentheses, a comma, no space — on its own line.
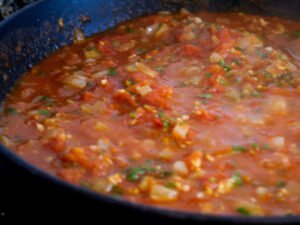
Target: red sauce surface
(191,112)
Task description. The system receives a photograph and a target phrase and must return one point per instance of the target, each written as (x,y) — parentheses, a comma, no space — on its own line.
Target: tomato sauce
(195,112)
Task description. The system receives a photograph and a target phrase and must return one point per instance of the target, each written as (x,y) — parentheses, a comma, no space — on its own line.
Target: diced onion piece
(252,208)
(263,22)
(194,161)
(261,191)
(115,178)
(292,67)
(146,70)
(181,130)
(103,144)
(166,154)
(250,42)
(91,53)
(164,13)
(101,185)
(277,142)
(75,81)
(126,46)
(100,126)
(151,29)
(162,30)
(215,40)
(56,139)
(191,71)
(233,94)
(180,168)
(197,20)
(146,183)
(100,74)
(144,90)
(278,106)
(215,57)
(5,140)
(78,35)
(79,73)
(184,11)
(225,186)
(160,193)
(188,34)
(131,68)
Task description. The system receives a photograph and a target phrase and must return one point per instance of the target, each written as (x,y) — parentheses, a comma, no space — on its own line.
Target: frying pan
(33,33)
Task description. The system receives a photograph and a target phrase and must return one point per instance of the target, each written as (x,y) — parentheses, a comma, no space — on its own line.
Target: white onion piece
(278,106)
(75,81)
(146,70)
(144,90)
(166,154)
(215,57)
(181,130)
(151,29)
(160,193)
(277,142)
(180,168)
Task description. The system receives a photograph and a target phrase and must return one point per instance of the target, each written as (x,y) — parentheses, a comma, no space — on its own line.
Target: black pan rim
(101,198)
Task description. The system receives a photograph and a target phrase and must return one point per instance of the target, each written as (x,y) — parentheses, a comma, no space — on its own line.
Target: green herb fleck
(134,174)
(281,184)
(237,62)
(222,81)
(166,124)
(208,75)
(132,115)
(117,190)
(225,66)
(238,48)
(140,50)
(239,149)
(261,54)
(44,112)
(170,184)
(160,69)
(206,95)
(129,30)
(295,33)
(47,100)
(163,173)
(166,121)
(243,211)
(112,71)
(266,147)
(238,180)
(267,75)
(129,82)
(161,114)
(42,73)
(11,111)
(85,184)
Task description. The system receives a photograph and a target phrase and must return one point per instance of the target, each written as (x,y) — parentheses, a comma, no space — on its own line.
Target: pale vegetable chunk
(144,90)
(277,142)
(160,193)
(180,131)
(180,168)
(75,81)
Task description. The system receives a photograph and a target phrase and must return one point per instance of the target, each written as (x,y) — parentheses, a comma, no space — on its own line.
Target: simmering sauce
(195,112)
